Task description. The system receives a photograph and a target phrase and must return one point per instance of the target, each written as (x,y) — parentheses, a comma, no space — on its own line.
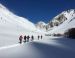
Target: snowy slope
(12,26)
(8,17)
(66,24)
(47,48)
(12,22)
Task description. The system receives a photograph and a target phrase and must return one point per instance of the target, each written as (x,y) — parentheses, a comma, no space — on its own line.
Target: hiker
(28,38)
(25,38)
(20,39)
(41,36)
(32,38)
(38,37)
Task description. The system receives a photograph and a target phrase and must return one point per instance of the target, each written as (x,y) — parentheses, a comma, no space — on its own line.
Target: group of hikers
(27,38)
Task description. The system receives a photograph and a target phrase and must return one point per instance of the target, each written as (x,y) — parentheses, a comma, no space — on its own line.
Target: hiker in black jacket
(28,38)
(32,38)
(25,38)
(20,39)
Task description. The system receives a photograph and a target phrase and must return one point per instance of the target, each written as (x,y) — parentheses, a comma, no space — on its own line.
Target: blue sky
(38,10)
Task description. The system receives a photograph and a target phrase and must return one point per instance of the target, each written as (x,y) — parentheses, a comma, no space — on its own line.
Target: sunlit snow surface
(12,26)
(45,48)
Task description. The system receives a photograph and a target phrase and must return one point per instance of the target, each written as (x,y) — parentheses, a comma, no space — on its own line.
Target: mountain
(59,24)
(62,22)
(41,25)
(9,18)
(12,26)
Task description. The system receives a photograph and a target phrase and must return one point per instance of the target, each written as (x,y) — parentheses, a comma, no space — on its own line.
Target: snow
(67,24)
(45,48)
(12,26)
(41,26)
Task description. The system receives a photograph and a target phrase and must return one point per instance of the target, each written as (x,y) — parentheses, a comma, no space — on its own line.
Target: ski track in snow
(9,46)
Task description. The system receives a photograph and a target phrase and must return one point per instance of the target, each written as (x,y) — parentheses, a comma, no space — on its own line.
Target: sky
(38,10)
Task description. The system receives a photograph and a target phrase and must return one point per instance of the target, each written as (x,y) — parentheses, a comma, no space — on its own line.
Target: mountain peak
(41,25)
(41,22)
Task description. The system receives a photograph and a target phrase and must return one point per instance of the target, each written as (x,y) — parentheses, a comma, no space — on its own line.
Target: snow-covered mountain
(12,26)
(41,25)
(62,22)
(10,19)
